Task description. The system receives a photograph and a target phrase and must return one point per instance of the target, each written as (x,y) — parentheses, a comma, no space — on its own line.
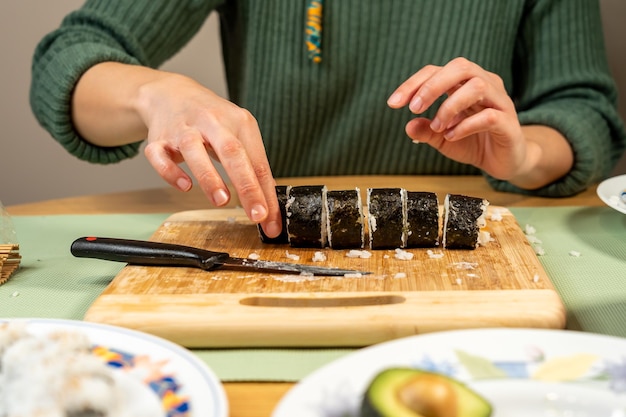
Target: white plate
(193,388)
(613,192)
(521,372)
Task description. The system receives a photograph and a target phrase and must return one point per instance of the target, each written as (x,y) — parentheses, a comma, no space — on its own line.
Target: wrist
(548,157)
(151,86)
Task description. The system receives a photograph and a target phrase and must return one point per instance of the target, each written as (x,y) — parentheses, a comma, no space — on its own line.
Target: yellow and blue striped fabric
(313,30)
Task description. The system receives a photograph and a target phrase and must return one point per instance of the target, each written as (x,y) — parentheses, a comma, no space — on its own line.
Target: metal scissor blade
(286,268)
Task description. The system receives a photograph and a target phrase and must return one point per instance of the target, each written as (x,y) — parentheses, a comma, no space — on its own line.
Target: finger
(459,104)
(405,91)
(447,80)
(471,98)
(488,120)
(272,226)
(251,135)
(163,163)
(192,148)
(235,160)
(419,131)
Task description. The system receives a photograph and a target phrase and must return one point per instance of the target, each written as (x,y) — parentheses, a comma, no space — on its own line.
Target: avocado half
(408,392)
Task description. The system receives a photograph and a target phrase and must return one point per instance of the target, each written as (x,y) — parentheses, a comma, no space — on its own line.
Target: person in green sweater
(518,91)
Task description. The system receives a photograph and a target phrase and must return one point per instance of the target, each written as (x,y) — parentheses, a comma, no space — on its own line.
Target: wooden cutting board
(501,284)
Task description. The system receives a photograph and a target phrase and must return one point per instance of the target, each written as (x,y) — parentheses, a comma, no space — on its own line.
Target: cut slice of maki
(386,209)
(422,219)
(306,216)
(281,193)
(344,219)
(463,218)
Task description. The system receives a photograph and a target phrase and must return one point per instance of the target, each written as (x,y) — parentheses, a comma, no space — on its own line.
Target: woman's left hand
(477,122)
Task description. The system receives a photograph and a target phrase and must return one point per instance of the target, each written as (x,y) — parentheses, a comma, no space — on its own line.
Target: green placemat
(585,257)
(53,284)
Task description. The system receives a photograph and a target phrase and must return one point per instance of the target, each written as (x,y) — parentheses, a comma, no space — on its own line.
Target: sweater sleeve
(563,81)
(138,32)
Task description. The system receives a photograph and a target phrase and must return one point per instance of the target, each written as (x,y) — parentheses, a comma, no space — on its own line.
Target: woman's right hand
(183,121)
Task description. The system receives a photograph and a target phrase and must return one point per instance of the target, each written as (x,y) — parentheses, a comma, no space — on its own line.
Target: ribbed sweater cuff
(591,158)
(51,95)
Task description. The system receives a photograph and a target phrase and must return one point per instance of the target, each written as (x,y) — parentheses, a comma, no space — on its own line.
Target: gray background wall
(34,167)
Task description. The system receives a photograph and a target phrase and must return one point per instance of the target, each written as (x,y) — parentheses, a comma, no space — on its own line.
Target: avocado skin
(380,399)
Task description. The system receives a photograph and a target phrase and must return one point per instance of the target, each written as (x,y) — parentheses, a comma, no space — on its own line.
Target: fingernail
(273,229)
(449,135)
(416,105)
(258,213)
(436,125)
(183,184)
(395,99)
(220,197)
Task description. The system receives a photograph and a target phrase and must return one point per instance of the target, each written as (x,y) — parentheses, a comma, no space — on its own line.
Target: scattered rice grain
(465,265)
(254,256)
(292,256)
(495,214)
(296,278)
(574,253)
(319,257)
(434,255)
(400,275)
(363,254)
(533,239)
(403,255)
(484,237)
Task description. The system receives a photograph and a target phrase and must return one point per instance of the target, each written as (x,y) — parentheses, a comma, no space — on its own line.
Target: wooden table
(258,399)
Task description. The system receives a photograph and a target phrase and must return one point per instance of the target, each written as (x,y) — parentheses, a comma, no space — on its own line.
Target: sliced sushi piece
(386,209)
(463,218)
(306,216)
(345,226)
(281,193)
(422,219)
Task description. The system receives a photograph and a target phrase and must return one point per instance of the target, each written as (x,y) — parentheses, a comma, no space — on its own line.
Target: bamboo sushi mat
(9,260)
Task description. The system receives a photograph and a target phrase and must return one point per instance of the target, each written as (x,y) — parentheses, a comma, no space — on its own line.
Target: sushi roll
(463,218)
(281,193)
(422,219)
(344,219)
(386,209)
(306,216)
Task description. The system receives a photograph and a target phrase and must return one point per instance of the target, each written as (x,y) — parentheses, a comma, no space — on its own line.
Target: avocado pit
(429,395)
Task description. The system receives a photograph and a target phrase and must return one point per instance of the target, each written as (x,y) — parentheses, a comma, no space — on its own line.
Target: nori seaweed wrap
(463,218)
(386,218)
(345,221)
(281,193)
(306,216)
(422,219)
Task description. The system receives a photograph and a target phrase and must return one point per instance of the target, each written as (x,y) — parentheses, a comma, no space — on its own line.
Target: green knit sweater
(332,118)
